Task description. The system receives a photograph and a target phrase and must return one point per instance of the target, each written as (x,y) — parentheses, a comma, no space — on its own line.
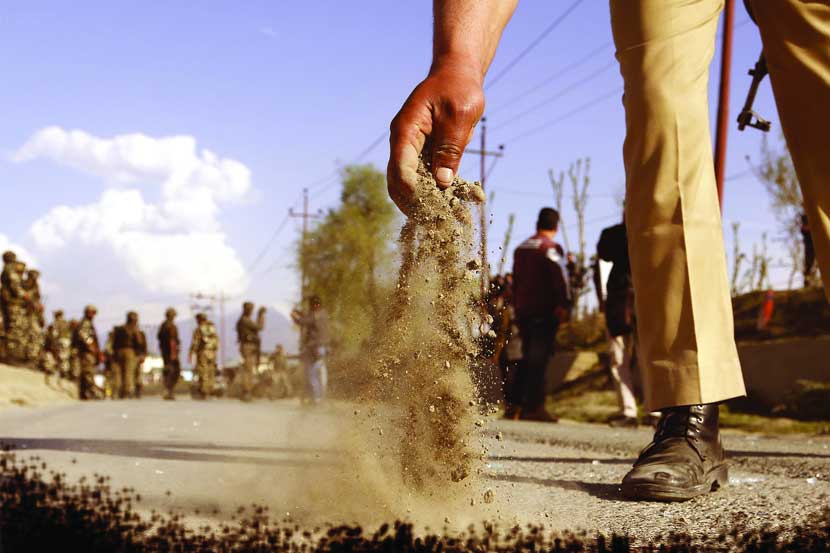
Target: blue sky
(289,91)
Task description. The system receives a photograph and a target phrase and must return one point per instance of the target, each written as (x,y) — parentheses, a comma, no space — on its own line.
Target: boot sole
(715,479)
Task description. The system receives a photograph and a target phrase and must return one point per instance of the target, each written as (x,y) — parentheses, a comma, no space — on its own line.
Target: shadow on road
(595,489)
(575,460)
(173,451)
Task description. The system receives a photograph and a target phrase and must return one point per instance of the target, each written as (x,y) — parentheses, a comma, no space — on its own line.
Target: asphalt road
(205,459)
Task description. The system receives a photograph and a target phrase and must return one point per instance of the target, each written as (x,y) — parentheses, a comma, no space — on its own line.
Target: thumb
(449,138)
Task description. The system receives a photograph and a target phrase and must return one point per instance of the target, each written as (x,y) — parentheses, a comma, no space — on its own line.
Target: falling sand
(414,445)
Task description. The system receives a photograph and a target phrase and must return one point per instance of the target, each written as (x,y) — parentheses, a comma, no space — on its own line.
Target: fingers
(452,131)
(406,142)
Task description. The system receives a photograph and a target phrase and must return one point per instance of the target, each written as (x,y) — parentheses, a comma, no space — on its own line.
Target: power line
(591,103)
(533,44)
(570,67)
(558,94)
(268,244)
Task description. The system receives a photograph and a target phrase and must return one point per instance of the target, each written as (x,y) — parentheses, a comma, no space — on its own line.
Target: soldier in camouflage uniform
(74,356)
(169,345)
(204,346)
(247,332)
(130,346)
(62,344)
(15,301)
(9,258)
(36,320)
(110,366)
(85,340)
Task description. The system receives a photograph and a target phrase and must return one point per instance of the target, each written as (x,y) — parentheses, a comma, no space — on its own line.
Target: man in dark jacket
(542,300)
(619,317)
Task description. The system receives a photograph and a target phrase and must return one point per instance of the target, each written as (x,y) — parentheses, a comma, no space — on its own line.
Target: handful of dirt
(423,358)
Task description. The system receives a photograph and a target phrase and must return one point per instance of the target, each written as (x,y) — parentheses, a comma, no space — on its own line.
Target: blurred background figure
(85,340)
(314,345)
(130,346)
(618,305)
(809,250)
(204,347)
(247,332)
(169,345)
(542,302)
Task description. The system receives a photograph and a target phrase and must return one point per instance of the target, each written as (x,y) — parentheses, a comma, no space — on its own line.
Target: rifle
(748,117)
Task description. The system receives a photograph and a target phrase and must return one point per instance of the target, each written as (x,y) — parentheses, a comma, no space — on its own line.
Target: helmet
(58,313)
(9,257)
(201,317)
(90,309)
(170,312)
(132,316)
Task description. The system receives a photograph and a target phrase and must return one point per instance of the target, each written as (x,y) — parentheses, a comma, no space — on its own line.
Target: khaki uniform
(248,335)
(204,346)
(678,261)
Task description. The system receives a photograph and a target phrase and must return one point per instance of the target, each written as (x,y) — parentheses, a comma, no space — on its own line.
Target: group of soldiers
(70,349)
(21,312)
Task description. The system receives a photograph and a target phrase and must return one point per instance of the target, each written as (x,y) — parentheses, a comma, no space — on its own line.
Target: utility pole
(484,154)
(305,216)
(723,99)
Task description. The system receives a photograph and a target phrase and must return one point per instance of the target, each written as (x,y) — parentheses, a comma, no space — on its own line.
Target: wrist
(459,63)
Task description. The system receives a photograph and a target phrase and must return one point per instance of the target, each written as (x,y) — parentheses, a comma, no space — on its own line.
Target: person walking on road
(542,301)
(678,262)
(169,345)
(247,332)
(314,329)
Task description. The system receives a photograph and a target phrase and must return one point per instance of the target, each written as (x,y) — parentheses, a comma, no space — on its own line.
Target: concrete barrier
(569,365)
(771,369)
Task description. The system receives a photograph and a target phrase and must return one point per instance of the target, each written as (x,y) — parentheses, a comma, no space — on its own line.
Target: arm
(438,117)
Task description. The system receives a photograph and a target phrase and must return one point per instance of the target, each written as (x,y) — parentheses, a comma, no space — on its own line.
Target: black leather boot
(685,460)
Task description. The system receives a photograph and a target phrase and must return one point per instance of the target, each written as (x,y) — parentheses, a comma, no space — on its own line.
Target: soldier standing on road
(204,346)
(169,344)
(85,340)
(15,301)
(36,322)
(130,348)
(684,313)
(6,296)
(279,369)
(314,325)
(247,332)
(60,344)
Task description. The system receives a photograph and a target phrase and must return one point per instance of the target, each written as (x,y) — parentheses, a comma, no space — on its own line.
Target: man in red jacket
(541,299)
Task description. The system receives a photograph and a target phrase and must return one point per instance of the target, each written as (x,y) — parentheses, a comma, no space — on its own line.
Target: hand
(262,310)
(437,120)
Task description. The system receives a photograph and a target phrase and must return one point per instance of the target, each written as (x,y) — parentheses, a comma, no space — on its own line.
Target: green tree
(348,258)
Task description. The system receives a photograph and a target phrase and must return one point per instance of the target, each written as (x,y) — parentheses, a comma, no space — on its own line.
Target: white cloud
(173,245)
(6,244)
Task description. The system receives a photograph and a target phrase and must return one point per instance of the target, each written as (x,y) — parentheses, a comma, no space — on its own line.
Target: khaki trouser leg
(684,311)
(796,36)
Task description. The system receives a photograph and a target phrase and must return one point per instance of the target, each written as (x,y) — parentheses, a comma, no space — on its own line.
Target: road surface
(204,459)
